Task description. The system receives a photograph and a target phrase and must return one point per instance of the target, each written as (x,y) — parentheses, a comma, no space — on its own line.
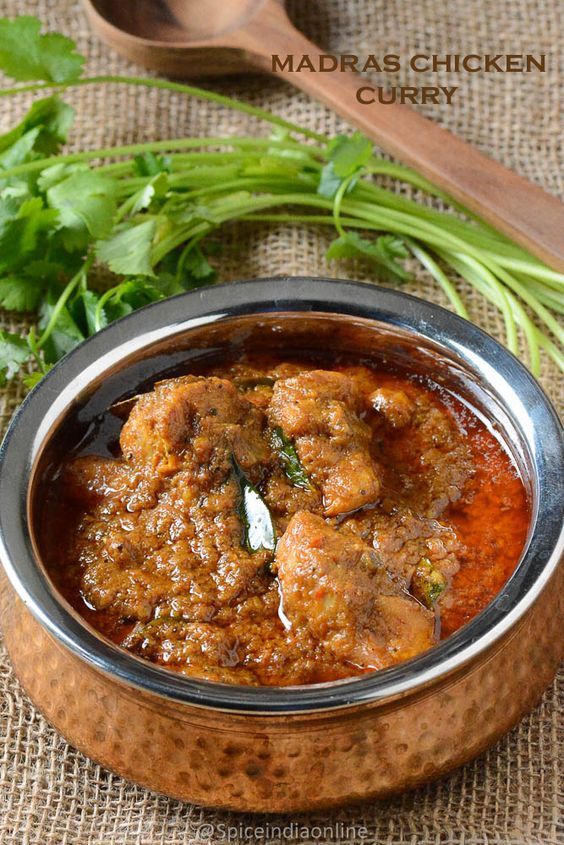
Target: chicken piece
(170,522)
(204,419)
(402,538)
(394,406)
(90,479)
(334,587)
(318,411)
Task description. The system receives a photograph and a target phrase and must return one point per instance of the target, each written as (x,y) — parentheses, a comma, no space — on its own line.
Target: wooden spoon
(192,38)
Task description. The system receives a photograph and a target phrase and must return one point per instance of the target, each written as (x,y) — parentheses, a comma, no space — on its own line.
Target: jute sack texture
(50,793)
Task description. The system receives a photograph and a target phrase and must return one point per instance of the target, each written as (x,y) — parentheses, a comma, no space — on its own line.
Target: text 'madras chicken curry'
(276,522)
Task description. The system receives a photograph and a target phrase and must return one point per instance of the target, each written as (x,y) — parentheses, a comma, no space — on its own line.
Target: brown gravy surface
(397,514)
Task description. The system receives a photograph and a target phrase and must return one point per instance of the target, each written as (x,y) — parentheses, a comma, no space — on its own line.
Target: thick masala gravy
(285,521)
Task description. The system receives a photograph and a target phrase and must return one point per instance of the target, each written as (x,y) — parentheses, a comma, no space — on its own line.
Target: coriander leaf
(20,151)
(26,55)
(143,198)
(128,251)
(116,310)
(52,117)
(197,268)
(85,313)
(148,164)
(168,284)
(214,247)
(156,188)
(65,334)
(86,204)
(384,252)
(129,296)
(57,173)
(90,305)
(17,293)
(329,182)
(55,119)
(44,272)
(347,156)
(19,235)
(10,203)
(31,379)
(14,351)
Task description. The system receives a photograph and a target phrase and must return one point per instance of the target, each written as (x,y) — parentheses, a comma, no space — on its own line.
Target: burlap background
(50,793)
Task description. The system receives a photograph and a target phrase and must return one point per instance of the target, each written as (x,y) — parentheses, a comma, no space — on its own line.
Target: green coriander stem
(436,272)
(136,149)
(167,85)
(63,299)
(338,201)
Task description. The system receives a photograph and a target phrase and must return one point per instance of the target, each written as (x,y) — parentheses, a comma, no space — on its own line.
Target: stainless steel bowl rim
(538,421)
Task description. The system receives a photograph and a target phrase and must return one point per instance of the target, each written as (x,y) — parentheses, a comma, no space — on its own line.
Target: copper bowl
(293,748)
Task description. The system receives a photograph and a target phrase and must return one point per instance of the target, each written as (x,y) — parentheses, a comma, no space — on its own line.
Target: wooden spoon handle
(513,205)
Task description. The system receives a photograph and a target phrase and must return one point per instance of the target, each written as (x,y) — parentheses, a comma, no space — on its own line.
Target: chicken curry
(285,521)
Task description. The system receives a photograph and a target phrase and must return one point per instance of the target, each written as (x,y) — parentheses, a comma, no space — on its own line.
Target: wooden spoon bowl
(187,39)
(204,38)
(178,21)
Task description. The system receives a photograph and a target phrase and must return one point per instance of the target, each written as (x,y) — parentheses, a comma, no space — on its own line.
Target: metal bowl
(293,748)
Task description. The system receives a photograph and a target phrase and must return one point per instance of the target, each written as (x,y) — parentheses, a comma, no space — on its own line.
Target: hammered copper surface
(283,762)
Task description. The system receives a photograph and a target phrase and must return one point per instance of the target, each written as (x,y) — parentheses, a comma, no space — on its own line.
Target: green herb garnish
(149,215)
(25,54)
(291,464)
(250,382)
(427,583)
(259,533)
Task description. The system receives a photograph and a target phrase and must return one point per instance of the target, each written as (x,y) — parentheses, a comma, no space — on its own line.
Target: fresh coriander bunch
(149,215)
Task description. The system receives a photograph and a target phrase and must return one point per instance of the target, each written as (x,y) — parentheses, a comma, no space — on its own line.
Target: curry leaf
(27,55)
(251,382)
(258,528)
(290,461)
